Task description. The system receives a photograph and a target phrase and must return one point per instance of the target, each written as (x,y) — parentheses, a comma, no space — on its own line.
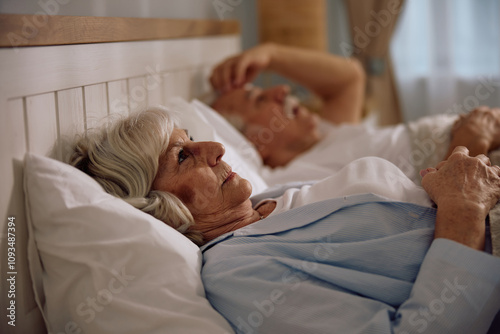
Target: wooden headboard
(59,75)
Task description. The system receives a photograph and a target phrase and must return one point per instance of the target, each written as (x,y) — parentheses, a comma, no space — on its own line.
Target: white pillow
(107,267)
(205,124)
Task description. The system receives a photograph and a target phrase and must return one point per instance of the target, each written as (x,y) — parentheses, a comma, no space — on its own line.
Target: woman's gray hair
(123,158)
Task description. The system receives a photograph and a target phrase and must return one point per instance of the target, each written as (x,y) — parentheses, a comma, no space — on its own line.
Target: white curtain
(446,55)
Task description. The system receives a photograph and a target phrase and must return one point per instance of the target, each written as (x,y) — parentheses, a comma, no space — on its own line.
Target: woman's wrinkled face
(197,175)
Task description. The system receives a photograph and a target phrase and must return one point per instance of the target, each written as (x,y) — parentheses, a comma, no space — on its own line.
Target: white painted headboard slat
(96,103)
(50,93)
(41,120)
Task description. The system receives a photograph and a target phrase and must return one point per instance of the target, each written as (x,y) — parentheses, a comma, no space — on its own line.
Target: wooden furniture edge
(18,30)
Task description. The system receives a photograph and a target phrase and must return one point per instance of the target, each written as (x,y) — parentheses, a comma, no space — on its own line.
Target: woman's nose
(212,151)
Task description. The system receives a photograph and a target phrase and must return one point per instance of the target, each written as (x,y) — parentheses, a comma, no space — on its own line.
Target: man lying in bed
(296,143)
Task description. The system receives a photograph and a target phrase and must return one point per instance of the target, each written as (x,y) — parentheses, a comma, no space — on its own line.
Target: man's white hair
(124,157)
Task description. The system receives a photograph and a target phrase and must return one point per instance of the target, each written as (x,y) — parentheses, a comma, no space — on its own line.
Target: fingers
(460,150)
(215,79)
(484,159)
(481,109)
(240,71)
(226,74)
(484,111)
(441,164)
(221,78)
(496,169)
(457,153)
(426,171)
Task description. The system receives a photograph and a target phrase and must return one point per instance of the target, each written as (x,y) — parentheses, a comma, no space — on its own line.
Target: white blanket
(366,175)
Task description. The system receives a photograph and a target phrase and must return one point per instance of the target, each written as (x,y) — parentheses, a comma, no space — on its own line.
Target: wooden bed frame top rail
(17,30)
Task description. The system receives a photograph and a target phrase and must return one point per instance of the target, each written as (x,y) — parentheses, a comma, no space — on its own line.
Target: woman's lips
(229,177)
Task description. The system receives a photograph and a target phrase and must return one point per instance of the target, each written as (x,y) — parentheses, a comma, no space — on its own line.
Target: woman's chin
(247,185)
(243,187)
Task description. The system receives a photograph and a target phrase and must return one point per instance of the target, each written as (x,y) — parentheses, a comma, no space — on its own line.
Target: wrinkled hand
(465,189)
(478,130)
(236,71)
(463,179)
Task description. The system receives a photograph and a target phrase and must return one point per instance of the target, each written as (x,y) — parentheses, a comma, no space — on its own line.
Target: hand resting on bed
(465,189)
(478,130)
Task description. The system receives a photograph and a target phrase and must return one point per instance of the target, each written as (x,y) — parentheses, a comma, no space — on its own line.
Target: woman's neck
(211,227)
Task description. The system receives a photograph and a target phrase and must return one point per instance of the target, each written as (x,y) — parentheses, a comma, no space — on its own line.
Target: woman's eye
(182,156)
(191,138)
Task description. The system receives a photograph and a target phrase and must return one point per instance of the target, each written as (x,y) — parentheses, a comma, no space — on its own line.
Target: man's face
(268,122)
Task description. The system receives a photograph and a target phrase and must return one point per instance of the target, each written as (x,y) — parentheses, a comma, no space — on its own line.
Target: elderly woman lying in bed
(363,251)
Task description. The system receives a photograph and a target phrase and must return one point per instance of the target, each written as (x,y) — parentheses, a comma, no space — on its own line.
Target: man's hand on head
(238,70)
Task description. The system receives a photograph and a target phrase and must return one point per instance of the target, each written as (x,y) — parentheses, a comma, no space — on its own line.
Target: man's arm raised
(338,81)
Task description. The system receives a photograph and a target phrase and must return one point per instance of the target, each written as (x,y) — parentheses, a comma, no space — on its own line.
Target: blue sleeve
(457,290)
(371,267)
